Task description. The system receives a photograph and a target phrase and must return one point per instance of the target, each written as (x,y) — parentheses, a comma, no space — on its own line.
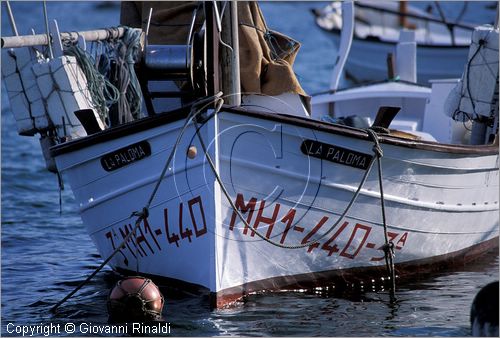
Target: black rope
(481,43)
(61,188)
(140,215)
(448,25)
(458,112)
(462,12)
(120,305)
(99,268)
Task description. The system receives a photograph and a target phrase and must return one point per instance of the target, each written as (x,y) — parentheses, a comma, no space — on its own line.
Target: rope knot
(388,249)
(143,214)
(376,146)
(378,150)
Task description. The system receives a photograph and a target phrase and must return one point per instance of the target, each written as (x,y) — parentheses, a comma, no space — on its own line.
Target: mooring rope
(122,245)
(144,213)
(192,113)
(389,245)
(252,229)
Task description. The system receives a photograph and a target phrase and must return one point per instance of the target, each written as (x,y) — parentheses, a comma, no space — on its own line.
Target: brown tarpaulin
(261,71)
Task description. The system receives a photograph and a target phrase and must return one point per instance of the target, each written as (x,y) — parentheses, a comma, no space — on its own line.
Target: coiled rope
(127,52)
(102,91)
(126,91)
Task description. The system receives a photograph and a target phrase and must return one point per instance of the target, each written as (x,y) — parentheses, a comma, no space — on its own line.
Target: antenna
(217,17)
(147,26)
(11,17)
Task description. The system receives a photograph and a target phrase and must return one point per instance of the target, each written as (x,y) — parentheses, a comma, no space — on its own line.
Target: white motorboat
(232,199)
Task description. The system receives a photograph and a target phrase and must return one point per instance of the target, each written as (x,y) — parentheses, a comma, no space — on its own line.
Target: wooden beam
(230,63)
(212,36)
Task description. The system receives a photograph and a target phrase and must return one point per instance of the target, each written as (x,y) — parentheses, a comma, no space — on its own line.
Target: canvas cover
(266,57)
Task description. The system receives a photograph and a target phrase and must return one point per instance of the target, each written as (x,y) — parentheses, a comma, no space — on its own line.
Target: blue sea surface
(45,253)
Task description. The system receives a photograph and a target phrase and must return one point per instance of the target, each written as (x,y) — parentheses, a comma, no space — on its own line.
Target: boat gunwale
(368,84)
(178,114)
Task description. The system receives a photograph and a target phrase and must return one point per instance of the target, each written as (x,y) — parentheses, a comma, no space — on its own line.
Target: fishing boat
(377,31)
(232,193)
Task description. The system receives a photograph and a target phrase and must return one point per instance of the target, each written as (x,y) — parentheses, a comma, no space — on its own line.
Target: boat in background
(377,31)
(233,197)
(420,107)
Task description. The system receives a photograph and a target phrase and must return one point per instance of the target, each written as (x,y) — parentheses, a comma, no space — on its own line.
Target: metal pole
(51,54)
(147,27)
(403,8)
(11,17)
(496,16)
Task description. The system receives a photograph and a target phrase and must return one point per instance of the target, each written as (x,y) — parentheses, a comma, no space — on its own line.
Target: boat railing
(426,19)
(416,16)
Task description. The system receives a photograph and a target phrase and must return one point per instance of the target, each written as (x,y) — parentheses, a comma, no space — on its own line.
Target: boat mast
(223,66)
(496,16)
(403,9)
(212,47)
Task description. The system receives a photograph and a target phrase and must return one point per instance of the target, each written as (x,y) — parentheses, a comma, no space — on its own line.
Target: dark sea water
(45,254)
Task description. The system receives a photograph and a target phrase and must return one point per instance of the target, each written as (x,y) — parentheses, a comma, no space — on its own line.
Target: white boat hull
(439,203)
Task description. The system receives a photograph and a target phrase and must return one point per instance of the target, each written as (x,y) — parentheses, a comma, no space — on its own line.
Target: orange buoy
(192,152)
(135,299)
